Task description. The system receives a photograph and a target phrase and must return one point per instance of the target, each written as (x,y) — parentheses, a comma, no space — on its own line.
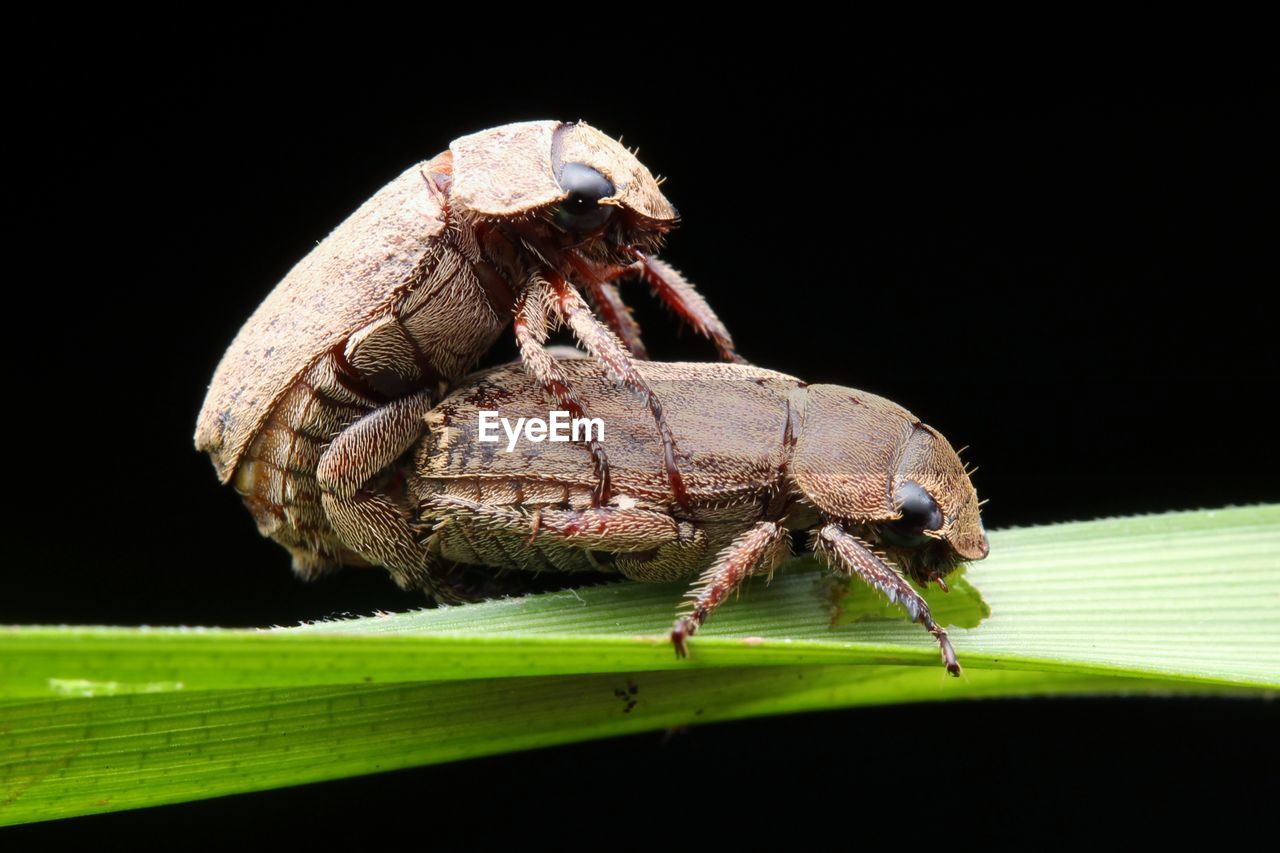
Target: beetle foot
(948,654)
(680,634)
(850,554)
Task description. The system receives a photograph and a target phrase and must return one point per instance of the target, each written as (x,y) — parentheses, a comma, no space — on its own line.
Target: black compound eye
(582,211)
(919,513)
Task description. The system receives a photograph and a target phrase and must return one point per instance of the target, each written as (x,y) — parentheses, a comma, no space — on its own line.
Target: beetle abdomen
(277,476)
(472,541)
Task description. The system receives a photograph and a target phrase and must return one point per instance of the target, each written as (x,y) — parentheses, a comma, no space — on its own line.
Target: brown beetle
(766,454)
(327,383)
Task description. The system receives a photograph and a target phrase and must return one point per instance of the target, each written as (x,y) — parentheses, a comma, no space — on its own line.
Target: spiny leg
(531,329)
(373,442)
(765,544)
(675,291)
(847,553)
(607,301)
(368,522)
(605,346)
(615,313)
(378,530)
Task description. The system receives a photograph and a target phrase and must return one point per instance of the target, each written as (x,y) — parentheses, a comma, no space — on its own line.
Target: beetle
(882,493)
(326,384)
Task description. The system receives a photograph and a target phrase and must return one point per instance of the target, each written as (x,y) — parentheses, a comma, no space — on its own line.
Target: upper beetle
(326,384)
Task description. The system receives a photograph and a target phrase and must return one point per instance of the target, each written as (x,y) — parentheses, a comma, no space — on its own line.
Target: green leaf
(98,719)
(961,607)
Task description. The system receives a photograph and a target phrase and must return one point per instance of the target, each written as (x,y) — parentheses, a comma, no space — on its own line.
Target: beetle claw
(680,635)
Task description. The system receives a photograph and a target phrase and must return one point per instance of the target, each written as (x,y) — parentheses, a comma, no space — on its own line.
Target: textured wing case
(356,273)
(730,424)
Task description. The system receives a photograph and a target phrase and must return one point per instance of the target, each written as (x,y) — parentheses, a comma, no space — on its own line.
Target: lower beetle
(764,454)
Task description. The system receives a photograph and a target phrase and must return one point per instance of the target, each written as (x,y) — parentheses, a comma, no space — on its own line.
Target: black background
(1061,258)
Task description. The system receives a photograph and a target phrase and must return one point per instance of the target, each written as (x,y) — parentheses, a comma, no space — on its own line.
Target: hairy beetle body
(763,454)
(325,386)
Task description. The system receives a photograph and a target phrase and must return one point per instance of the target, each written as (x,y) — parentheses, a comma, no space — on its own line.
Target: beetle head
(870,464)
(561,187)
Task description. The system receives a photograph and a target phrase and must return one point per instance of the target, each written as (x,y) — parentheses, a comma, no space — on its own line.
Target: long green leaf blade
(69,757)
(1185,595)
(103,719)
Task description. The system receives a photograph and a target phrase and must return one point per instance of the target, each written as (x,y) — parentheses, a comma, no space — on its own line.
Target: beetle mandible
(326,384)
(766,455)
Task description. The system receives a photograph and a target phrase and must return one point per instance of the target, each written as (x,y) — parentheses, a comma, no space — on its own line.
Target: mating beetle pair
(315,411)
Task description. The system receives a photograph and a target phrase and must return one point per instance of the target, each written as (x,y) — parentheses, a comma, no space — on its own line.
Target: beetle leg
(370,523)
(849,554)
(596,529)
(598,282)
(377,529)
(530,325)
(675,291)
(605,346)
(609,305)
(371,444)
(765,545)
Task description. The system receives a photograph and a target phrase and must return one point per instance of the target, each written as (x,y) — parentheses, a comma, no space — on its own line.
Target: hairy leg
(765,545)
(531,326)
(616,315)
(368,522)
(849,554)
(372,443)
(606,347)
(675,291)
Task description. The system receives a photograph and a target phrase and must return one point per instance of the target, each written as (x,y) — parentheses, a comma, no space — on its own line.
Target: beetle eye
(582,211)
(919,511)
